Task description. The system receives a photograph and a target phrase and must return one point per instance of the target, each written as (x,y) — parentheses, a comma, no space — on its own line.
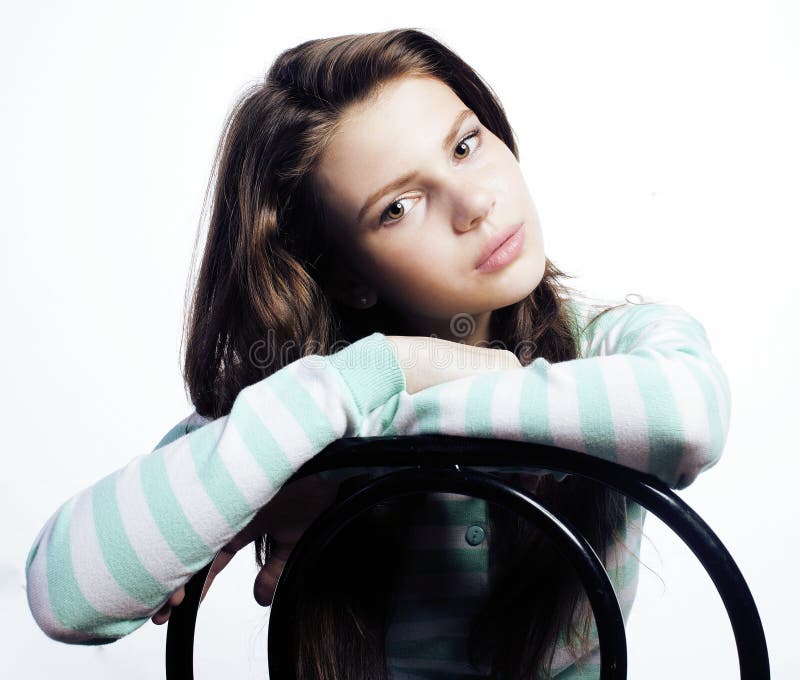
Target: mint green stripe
(587,671)
(175,433)
(599,329)
(626,572)
(438,647)
(431,609)
(412,673)
(594,410)
(388,413)
(426,408)
(259,441)
(67,601)
(168,515)
(296,399)
(430,674)
(533,405)
(449,512)
(592,326)
(478,412)
(694,342)
(712,410)
(469,559)
(665,428)
(700,347)
(216,479)
(31,555)
(121,559)
(630,321)
(678,322)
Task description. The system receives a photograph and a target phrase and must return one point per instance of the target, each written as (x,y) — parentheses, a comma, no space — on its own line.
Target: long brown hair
(261,281)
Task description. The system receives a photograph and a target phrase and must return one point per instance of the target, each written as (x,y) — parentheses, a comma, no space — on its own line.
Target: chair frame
(429,463)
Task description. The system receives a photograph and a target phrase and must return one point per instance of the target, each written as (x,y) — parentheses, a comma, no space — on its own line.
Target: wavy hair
(261,286)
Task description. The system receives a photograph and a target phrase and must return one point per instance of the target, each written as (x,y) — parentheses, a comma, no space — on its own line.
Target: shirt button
(475,535)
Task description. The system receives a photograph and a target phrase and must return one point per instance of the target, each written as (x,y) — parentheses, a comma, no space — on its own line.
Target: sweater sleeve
(111,555)
(646,392)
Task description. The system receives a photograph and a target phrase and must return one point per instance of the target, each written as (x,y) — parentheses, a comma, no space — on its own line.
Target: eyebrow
(448,141)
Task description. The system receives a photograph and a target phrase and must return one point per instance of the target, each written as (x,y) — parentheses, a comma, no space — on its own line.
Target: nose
(472,203)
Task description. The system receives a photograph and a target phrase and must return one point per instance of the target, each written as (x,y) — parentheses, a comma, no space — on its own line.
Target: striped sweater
(646,392)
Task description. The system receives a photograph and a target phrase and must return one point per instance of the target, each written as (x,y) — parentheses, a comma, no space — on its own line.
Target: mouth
(502,248)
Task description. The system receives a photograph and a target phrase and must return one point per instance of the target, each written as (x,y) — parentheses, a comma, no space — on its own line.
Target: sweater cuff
(371,370)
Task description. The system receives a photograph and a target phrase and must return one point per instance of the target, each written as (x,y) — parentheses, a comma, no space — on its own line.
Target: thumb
(220,562)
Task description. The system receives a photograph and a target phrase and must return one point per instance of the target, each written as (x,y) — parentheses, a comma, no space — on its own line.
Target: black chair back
(435,463)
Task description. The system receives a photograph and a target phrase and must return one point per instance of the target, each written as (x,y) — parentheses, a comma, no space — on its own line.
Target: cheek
(414,282)
(404,275)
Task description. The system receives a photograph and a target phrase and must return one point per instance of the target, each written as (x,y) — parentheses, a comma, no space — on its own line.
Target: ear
(346,287)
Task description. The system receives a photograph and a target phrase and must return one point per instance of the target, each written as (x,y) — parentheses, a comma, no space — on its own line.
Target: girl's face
(417,190)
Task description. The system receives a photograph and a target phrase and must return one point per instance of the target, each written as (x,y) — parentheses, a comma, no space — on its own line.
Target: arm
(646,393)
(111,555)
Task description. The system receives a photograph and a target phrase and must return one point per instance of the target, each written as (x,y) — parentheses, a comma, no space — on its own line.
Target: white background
(661,144)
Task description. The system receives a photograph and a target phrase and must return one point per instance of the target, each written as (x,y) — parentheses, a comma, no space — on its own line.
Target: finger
(219,563)
(267,579)
(177,597)
(162,615)
(265,584)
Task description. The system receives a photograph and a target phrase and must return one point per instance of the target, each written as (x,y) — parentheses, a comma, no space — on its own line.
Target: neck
(468,329)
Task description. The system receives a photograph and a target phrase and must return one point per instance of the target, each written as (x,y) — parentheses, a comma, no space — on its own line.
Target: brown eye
(395,210)
(463,148)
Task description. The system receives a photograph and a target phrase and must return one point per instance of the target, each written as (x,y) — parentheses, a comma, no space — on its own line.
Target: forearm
(650,396)
(112,554)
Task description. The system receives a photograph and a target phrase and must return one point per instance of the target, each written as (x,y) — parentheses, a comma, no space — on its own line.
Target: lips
(496,241)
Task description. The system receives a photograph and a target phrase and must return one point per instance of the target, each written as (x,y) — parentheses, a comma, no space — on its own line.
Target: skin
(421,261)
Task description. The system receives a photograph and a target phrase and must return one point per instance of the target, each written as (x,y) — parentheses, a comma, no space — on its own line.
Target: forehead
(391,134)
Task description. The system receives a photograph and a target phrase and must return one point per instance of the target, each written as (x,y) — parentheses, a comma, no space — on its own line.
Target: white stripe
(562,658)
(146,539)
(505,405)
(247,474)
(715,375)
(628,415)
(452,397)
(197,506)
(562,407)
(96,583)
(282,426)
(280,422)
(327,388)
(404,417)
(405,420)
(607,337)
(371,425)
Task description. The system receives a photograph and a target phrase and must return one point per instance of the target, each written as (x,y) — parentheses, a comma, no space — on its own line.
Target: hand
(285,517)
(162,615)
(428,361)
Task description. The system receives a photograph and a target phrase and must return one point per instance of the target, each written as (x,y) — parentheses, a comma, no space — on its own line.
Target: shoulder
(601,324)
(185,426)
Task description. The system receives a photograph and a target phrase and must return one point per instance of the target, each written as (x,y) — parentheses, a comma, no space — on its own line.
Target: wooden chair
(442,463)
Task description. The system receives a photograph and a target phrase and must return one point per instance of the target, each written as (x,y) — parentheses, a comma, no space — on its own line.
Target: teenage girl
(374,265)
